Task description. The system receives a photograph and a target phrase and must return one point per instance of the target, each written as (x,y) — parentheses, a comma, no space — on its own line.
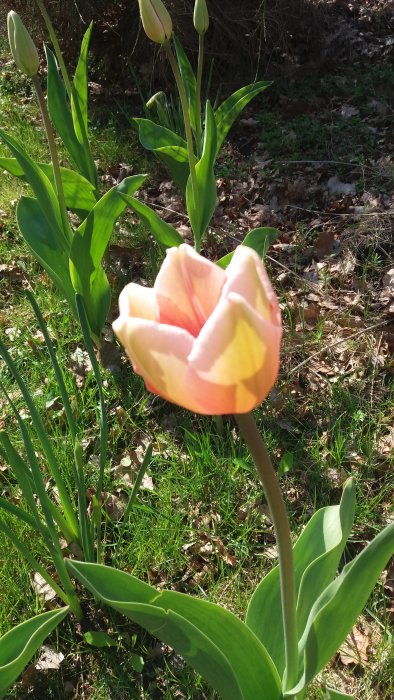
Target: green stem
(281,525)
(56,46)
(198,93)
(188,129)
(54,157)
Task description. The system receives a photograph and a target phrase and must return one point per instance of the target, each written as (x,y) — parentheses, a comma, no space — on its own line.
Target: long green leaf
(336,610)
(316,557)
(231,108)
(80,89)
(201,212)
(62,119)
(213,640)
(168,146)
(259,239)
(19,645)
(49,249)
(78,191)
(165,234)
(87,251)
(41,186)
(188,79)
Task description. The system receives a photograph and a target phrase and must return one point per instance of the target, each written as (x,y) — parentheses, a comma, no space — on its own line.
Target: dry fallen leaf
(49,659)
(354,651)
(41,588)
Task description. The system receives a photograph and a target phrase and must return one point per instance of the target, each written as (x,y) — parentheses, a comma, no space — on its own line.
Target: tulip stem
(54,157)
(56,46)
(281,525)
(198,93)
(188,132)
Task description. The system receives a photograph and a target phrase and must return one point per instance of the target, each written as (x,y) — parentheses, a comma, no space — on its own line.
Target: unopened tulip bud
(22,46)
(201,17)
(154,99)
(156,20)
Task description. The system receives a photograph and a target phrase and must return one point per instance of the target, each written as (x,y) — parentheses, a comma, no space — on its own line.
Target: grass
(204,488)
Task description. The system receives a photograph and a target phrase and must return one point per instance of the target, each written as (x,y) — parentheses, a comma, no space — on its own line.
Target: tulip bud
(156,20)
(22,46)
(201,17)
(154,99)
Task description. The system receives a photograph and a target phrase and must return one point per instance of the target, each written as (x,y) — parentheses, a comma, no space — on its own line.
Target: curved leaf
(230,109)
(188,79)
(200,213)
(19,644)
(47,246)
(87,251)
(168,146)
(165,234)
(259,239)
(78,191)
(213,640)
(80,89)
(176,160)
(317,553)
(336,610)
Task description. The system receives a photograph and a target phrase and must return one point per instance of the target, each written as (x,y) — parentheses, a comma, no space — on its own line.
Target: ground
(312,158)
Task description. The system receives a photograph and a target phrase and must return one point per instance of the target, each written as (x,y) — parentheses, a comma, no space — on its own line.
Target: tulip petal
(238,348)
(247,276)
(138,301)
(188,288)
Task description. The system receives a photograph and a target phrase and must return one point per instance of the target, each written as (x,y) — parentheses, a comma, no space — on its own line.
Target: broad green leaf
(213,640)
(332,694)
(336,610)
(176,160)
(168,146)
(316,557)
(259,239)
(165,234)
(230,109)
(101,640)
(87,251)
(80,89)
(189,81)
(42,188)
(201,213)
(78,192)
(62,119)
(19,645)
(47,247)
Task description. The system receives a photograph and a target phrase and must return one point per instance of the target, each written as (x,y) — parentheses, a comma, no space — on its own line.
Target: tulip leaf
(40,185)
(201,212)
(62,118)
(168,146)
(333,694)
(79,96)
(317,553)
(19,645)
(47,245)
(259,239)
(98,639)
(165,234)
(213,640)
(189,81)
(230,109)
(78,192)
(176,160)
(337,608)
(87,251)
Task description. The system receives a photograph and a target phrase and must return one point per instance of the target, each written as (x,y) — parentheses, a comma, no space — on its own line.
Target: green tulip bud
(22,46)
(154,99)
(156,20)
(201,16)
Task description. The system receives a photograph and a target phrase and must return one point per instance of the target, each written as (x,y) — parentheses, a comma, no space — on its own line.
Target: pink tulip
(205,338)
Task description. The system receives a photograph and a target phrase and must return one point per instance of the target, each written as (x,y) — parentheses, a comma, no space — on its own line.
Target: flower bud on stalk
(201,17)
(22,46)
(156,20)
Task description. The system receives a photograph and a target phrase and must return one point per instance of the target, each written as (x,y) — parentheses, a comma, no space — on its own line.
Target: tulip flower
(205,338)
(200,16)
(156,20)
(22,46)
